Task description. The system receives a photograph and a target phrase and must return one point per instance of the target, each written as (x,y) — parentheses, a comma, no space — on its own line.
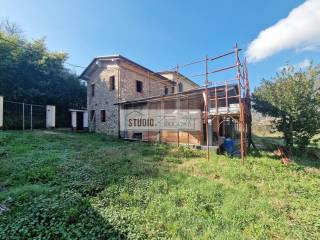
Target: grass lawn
(56,185)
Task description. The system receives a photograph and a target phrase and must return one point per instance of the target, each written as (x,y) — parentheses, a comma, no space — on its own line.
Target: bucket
(228,145)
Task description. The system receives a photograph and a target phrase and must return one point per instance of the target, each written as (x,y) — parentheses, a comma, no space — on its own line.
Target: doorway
(79,120)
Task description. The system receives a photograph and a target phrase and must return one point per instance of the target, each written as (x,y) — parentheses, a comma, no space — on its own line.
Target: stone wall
(125,89)
(152,85)
(104,99)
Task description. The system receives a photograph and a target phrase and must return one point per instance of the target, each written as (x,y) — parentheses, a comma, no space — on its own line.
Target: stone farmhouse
(115,78)
(116,84)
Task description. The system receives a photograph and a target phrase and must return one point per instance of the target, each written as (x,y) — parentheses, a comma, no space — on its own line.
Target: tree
(293,99)
(30,73)
(10,28)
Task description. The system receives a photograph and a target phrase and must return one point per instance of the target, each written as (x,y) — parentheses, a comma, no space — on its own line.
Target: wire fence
(22,116)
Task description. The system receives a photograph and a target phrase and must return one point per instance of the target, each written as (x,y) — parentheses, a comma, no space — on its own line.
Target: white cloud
(304,64)
(301,65)
(299,30)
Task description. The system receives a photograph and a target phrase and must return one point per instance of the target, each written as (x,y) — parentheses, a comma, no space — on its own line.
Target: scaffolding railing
(243,95)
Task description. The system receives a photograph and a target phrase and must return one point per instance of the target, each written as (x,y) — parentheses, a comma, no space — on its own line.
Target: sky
(159,34)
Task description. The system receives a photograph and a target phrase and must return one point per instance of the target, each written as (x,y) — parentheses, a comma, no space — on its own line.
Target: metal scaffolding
(234,107)
(242,81)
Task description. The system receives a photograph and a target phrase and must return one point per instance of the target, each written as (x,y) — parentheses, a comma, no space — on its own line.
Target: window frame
(112,83)
(103,115)
(93,89)
(139,86)
(166,90)
(92,115)
(180,87)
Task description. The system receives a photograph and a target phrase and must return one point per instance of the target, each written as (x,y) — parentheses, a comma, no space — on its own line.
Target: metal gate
(19,115)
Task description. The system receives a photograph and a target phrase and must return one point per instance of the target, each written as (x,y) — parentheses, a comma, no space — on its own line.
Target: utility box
(1,111)
(50,116)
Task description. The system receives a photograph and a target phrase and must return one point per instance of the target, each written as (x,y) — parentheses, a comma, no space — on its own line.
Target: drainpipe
(119,106)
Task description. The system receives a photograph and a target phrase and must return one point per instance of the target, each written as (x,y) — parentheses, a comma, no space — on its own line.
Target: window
(180,86)
(166,90)
(172,89)
(137,136)
(111,83)
(139,86)
(92,89)
(103,115)
(92,115)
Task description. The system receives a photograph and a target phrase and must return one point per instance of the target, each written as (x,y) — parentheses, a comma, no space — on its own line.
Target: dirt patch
(51,132)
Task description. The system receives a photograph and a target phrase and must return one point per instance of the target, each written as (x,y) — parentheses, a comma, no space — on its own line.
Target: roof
(77,110)
(118,56)
(181,75)
(175,95)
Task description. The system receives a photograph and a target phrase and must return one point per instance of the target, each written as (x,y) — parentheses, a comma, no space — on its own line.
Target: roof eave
(186,78)
(82,75)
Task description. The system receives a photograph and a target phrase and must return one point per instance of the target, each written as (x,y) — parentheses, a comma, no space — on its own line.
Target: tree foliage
(293,99)
(29,72)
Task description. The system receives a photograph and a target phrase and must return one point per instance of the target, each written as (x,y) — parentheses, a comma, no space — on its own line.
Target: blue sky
(157,34)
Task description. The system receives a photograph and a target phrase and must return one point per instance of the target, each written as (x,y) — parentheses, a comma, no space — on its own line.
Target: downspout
(119,106)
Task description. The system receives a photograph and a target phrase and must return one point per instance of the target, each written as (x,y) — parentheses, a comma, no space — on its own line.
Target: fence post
(30,116)
(23,116)
(1,112)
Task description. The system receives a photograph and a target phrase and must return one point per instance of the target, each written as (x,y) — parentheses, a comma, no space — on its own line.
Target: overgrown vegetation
(56,185)
(30,73)
(293,99)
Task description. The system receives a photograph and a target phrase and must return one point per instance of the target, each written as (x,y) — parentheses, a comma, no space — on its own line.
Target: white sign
(154,120)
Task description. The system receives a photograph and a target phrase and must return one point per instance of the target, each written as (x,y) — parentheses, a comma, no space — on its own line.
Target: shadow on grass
(266,142)
(36,212)
(109,162)
(51,179)
(39,203)
(304,158)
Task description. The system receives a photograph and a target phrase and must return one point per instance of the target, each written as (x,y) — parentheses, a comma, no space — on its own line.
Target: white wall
(50,116)
(85,120)
(74,119)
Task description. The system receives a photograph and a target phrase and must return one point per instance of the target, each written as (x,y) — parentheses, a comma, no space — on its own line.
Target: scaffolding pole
(241,118)
(178,131)
(206,109)
(188,122)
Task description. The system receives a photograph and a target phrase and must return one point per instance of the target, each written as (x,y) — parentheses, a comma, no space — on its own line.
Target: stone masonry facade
(103,99)
(111,80)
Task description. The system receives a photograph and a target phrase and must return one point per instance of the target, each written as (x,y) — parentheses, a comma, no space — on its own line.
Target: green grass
(60,185)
